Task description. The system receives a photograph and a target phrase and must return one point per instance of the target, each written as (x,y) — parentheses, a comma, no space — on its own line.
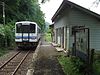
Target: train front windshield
(25,28)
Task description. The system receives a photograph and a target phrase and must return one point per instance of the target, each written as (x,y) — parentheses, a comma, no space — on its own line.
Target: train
(27,34)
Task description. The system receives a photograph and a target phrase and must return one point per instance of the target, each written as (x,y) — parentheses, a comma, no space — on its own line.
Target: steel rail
(9,60)
(20,63)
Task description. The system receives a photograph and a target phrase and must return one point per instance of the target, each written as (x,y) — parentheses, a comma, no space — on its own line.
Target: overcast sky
(49,8)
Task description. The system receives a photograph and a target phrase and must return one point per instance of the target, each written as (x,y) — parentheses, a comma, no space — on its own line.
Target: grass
(3,51)
(48,37)
(96,65)
(70,65)
(74,66)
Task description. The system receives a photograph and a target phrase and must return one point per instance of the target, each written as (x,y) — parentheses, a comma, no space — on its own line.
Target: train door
(25,33)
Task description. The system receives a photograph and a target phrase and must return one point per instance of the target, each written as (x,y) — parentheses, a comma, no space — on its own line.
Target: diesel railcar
(27,34)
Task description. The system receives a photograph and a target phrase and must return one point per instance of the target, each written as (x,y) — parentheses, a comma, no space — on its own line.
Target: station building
(69,15)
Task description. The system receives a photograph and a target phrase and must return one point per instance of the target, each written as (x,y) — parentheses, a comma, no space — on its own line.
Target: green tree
(18,10)
(43,1)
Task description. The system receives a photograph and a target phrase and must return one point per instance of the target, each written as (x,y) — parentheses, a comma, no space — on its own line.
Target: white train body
(27,33)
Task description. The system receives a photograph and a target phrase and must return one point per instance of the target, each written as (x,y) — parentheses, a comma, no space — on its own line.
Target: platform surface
(46,62)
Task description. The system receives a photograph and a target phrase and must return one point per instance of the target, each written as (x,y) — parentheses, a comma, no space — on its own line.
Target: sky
(49,8)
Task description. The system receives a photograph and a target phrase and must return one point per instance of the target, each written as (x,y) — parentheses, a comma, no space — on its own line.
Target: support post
(65,38)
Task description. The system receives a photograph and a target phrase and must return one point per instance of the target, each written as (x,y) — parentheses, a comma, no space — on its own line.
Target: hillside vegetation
(18,10)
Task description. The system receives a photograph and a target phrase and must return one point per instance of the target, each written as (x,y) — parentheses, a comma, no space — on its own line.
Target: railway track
(17,64)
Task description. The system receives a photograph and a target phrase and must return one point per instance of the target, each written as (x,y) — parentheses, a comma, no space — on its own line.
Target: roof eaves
(74,5)
(57,12)
(84,9)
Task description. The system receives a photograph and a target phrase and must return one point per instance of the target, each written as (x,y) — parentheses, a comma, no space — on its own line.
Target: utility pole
(3,4)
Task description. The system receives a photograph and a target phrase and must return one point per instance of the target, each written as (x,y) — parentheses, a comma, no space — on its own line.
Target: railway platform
(46,63)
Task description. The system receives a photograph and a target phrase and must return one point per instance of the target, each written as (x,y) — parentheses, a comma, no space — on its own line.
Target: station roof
(70,4)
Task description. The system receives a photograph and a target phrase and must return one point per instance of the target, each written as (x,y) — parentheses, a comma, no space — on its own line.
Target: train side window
(32,28)
(38,30)
(18,28)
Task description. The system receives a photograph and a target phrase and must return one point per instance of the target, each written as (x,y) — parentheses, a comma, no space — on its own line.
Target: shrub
(6,35)
(71,65)
(96,64)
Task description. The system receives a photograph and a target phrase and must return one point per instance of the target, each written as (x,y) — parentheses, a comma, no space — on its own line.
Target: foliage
(43,1)
(6,35)
(49,31)
(96,65)
(3,51)
(71,65)
(48,37)
(19,10)
(47,27)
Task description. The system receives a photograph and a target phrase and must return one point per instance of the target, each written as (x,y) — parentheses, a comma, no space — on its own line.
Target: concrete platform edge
(31,68)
